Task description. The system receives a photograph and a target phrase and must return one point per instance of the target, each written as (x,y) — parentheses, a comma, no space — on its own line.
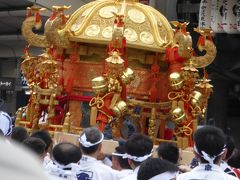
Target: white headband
(118,154)
(206,156)
(61,166)
(85,143)
(138,159)
(164,176)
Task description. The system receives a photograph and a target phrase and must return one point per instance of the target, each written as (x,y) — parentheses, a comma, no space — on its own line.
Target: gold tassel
(93,116)
(115,98)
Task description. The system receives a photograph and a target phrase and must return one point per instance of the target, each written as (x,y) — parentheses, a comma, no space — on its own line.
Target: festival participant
(209,148)
(120,163)
(230,145)
(19,163)
(19,134)
(169,152)
(157,169)
(139,148)
(65,161)
(45,136)
(5,123)
(91,168)
(36,145)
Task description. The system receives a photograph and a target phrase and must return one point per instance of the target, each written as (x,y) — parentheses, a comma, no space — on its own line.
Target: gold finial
(66,124)
(19,117)
(61,8)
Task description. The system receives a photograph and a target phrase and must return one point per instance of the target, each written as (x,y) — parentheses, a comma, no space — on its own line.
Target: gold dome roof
(145,27)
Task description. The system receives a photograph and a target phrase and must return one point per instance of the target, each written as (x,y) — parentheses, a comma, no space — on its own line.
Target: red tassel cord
(37,17)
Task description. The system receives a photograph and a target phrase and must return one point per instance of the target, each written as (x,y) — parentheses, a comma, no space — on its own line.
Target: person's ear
(100,147)
(223,156)
(196,155)
(131,164)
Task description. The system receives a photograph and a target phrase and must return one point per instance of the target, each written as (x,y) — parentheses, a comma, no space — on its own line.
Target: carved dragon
(51,35)
(205,43)
(182,39)
(32,38)
(54,23)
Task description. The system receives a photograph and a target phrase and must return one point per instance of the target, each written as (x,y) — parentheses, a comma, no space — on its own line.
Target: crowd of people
(216,157)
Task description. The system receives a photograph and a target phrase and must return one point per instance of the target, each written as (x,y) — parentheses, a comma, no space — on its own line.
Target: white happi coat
(227,169)
(199,173)
(92,169)
(124,173)
(132,176)
(60,173)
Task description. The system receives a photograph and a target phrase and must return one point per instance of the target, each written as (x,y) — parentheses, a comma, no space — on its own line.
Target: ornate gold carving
(87,12)
(52,34)
(32,38)
(92,30)
(136,16)
(75,27)
(107,32)
(107,12)
(130,34)
(146,37)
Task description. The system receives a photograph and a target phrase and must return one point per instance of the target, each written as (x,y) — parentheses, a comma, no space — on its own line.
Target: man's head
(209,144)
(45,136)
(66,153)
(139,148)
(36,145)
(91,141)
(118,162)
(169,152)
(230,146)
(158,169)
(19,134)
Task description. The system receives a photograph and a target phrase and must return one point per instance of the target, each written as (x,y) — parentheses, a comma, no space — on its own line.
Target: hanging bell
(128,76)
(176,81)
(99,85)
(178,115)
(120,108)
(196,98)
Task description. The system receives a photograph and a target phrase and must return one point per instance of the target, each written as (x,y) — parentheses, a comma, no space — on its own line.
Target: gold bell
(176,81)
(178,115)
(128,76)
(99,85)
(120,108)
(196,98)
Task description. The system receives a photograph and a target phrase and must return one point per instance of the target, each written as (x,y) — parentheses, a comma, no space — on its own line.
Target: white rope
(206,156)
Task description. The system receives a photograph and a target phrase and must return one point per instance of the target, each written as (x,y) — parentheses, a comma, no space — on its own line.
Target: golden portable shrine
(125,61)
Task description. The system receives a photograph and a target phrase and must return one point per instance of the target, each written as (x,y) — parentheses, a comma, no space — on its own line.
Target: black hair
(45,136)
(138,145)
(66,153)
(93,135)
(19,134)
(210,140)
(1,133)
(230,146)
(37,145)
(155,166)
(234,160)
(123,162)
(168,151)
